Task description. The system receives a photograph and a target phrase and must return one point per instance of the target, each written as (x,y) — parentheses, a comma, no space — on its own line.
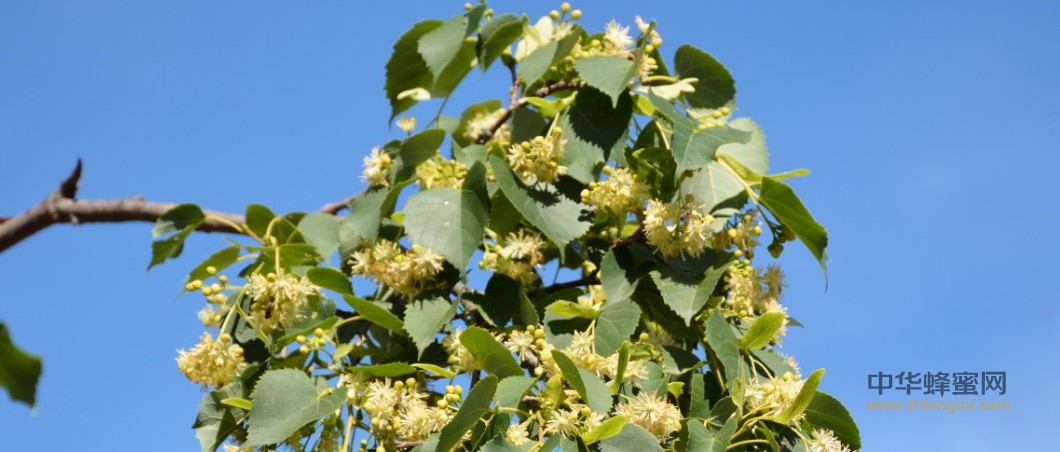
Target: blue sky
(930,129)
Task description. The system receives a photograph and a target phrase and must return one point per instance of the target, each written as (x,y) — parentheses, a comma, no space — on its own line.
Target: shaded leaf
(331,279)
(19,371)
(494,358)
(425,316)
(826,412)
(615,325)
(726,347)
(632,437)
(496,36)
(394,369)
(414,151)
(406,68)
(219,260)
(284,401)
(715,87)
(782,201)
(511,390)
(376,314)
(686,294)
(448,220)
(474,409)
(322,231)
(609,74)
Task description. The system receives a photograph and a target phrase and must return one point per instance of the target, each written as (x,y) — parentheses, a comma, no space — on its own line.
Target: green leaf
(700,438)
(437,370)
(19,371)
(474,409)
(393,369)
(591,388)
(620,368)
(258,218)
(322,231)
(526,124)
(511,390)
(425,316)
(537,63)
(415,150)
(503,296)
(238,402)
(375,314)
(753,153)
(595,128)
(782,201)
(406,68)
(606,429)
(494,358)
(716,187)
(570,310)
(496,36)
(361,224)
(216,420)
(615,325)
(177,219)
(699,405)
(331,279)
(440,46)
(802,401)
(686,294)
(618,274)
(715,86)
(826,412)
(448,220)
(762,331)
(632,437)
(609,74)
(219,260)
(284,401)
(699,147)
(726,347)
(774,362)
(559,217)
(499,444)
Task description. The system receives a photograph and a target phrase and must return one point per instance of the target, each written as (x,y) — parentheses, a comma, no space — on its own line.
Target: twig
(338,206)
(517,103)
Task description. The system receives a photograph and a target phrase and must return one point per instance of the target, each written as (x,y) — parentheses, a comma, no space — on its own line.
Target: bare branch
(338,206)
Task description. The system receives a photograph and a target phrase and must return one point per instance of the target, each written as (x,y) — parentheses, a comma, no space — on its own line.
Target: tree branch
(517,103)
(62,207)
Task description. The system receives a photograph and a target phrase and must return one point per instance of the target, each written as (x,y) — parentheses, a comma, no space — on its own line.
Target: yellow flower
(211,363)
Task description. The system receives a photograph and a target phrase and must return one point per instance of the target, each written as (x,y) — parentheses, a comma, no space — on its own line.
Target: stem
(746,442)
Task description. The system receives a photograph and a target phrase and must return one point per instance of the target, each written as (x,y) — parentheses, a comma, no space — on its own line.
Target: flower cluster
(516,256)
(653,412)
(742,235)
(279,299)
(620,194)
(751,293)
(401,409)
(481,124)
(407,273)
(677,231)
(538,160)
(824,440)
(439,172)
(376,168)
(774,395)
(211,362)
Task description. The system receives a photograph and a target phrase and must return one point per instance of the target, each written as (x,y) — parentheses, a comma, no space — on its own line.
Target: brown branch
(338,206)
(517,103)
(62,207)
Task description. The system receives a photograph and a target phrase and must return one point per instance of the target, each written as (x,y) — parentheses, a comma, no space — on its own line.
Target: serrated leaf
(726,347)
(219,260)
(537,63)
(494,358)
(474,408)
(331,279)
(632,437)
(394,369)
(716,187)
(686,294)
(762,331)
(511,390)
(322,231)
(606,429)
(425,316)
(609,74)
(591,388)
(19,371)
(503,296)
(782,201)
(699,147)
(450,221)
(752,154)
(376,314)
(406,68)
(615,325)
(439,46)
(826,412)
(618,274)
(560,218)
(595,128)
(177,219)
(802,401)
(361,224)
(215,421)
(698,406)
(284,401)
(414,151)
(715,86)
(497,35)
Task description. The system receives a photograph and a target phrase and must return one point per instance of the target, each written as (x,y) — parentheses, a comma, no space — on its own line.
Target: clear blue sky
(930,128)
